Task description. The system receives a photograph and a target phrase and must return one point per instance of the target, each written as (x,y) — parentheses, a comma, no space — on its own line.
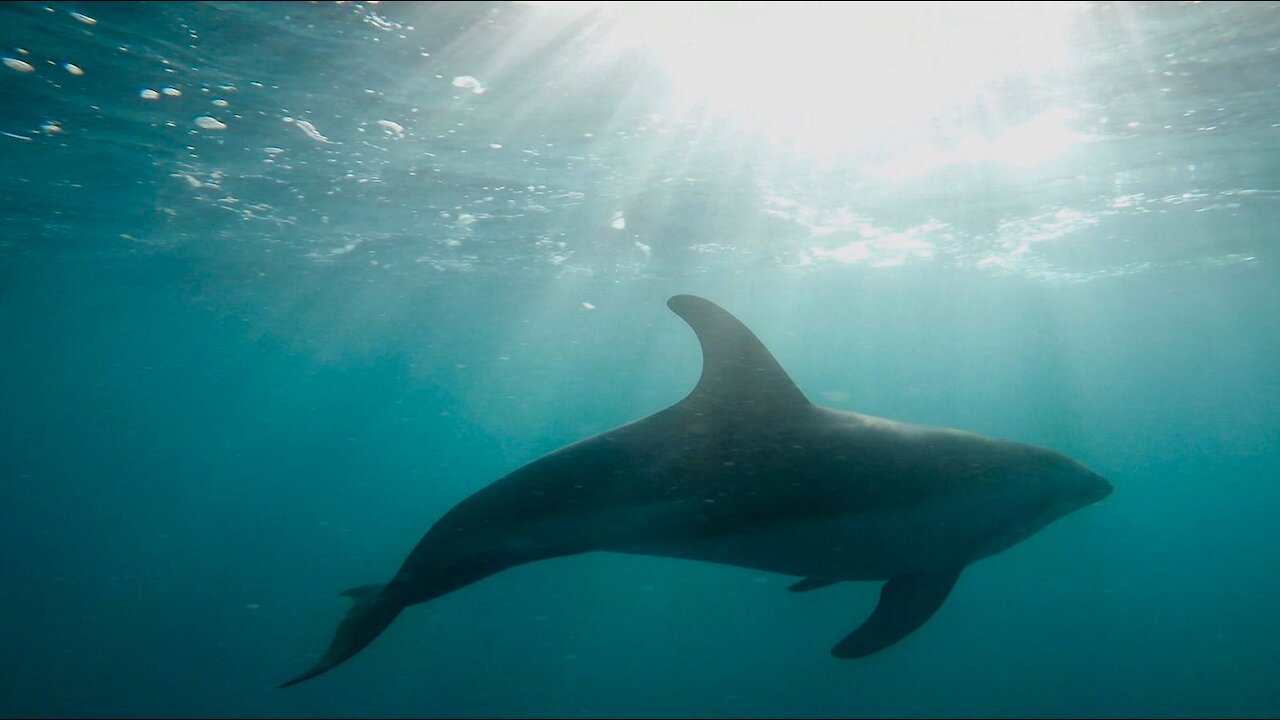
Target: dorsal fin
(737,369)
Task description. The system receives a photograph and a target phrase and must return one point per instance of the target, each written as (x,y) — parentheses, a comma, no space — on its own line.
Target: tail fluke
(372,612)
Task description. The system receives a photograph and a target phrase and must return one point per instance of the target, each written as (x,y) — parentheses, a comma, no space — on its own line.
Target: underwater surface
(281,283)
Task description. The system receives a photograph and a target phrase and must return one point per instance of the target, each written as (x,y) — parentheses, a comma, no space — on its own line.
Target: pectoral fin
(906,602)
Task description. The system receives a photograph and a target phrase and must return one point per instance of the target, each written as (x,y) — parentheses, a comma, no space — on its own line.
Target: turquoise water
(248,361)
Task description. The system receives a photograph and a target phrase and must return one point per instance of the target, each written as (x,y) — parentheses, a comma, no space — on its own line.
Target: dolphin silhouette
(746,471)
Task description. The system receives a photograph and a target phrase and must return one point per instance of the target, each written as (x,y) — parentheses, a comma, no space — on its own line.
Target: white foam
(466,81)
(204,122)
(311,131)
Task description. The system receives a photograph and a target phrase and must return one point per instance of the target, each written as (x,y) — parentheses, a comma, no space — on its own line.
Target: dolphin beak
(1099,488)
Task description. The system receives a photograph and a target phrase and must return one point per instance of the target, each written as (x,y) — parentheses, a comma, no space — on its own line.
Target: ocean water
(280,283)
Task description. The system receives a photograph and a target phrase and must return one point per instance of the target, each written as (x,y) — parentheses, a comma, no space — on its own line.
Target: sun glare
(835,76)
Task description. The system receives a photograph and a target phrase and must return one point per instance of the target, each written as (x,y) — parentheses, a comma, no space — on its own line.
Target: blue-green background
(230,389)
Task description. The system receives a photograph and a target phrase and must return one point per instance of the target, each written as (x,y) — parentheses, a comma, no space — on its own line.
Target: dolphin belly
(876,545)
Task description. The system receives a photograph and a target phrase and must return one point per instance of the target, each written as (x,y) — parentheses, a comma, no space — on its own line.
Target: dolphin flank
(746,471)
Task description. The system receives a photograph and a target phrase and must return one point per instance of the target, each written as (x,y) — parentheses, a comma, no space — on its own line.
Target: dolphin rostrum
(746,471)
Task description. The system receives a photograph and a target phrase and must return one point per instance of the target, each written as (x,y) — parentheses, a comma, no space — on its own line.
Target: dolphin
(745,471)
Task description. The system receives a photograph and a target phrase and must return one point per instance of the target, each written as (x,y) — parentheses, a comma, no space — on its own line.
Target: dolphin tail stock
(373,610)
